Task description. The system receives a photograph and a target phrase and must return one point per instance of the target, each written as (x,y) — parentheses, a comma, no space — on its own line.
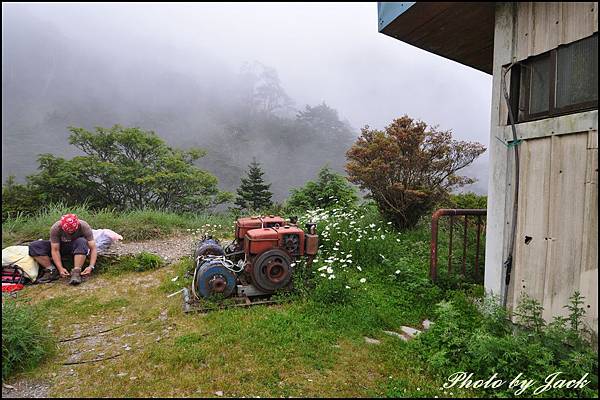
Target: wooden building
(545,57)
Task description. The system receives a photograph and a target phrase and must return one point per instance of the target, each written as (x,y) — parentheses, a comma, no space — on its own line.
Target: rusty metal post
(464,260)
(450,245)
(434,235)
(477,246)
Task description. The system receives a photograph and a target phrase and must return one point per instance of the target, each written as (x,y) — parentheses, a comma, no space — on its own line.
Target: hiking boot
(75,276)
(49,275)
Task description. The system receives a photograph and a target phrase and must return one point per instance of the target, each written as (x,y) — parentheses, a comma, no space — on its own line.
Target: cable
(509,260)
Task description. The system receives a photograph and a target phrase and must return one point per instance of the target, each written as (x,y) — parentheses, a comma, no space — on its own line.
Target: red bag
(12,287)
(13,278)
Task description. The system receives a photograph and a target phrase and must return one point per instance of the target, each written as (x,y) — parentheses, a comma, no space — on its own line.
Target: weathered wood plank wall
(558,201)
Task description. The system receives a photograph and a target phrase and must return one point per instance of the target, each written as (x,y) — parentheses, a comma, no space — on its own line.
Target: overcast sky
(323,52)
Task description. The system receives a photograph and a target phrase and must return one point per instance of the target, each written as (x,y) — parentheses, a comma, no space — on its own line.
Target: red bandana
(69,223)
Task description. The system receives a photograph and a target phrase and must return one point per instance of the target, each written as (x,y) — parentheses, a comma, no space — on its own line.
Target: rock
(219,393)
(412,332)
(371,341)
(163,315)
(427,324)
(398,335)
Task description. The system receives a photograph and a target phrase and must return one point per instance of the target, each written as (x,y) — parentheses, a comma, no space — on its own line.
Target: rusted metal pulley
(272,270)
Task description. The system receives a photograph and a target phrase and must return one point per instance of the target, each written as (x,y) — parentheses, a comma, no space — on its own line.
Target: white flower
(323,275)
(382,237)
(371,225)
(347,287)
(322,268)
(358,240)
(389,223)
(397,272)
(362,280)
(398,240)
(330,270)
(331,276)
(359,268)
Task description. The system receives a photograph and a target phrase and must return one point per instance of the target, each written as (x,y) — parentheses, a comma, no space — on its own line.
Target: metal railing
(433,266)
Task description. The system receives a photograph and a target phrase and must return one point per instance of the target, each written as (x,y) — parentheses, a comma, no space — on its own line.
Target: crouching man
(68,237)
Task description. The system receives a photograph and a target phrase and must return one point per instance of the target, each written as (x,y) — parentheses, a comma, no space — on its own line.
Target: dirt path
(118,341)
(25,389)
(170,249)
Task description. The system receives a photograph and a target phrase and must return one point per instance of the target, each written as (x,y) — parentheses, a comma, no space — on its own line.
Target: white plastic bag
(104,238)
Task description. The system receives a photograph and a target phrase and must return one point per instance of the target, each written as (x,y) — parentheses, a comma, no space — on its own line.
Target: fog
(196,74)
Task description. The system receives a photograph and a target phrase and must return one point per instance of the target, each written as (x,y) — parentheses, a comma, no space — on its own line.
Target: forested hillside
(54,82)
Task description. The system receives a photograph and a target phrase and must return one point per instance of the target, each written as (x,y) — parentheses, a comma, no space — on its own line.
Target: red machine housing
(243,225)
(288,238)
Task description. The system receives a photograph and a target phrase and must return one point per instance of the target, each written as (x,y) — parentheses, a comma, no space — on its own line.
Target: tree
(330,189)
(408,167)
(323,118)
(253,192)
(127,168)
(262,91)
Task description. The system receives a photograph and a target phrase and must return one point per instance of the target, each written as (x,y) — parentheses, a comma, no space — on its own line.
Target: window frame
(517,89)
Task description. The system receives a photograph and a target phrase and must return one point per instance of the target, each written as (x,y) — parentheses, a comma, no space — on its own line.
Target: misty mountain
(50,82)
(55,76)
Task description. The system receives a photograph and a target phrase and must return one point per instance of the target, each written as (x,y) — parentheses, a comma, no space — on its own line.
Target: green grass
(366,278)
(25,339)
(132,225)
(132,263)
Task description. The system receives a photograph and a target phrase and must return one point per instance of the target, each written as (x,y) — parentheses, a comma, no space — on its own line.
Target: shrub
(468,200)
(480,338)
(19,199)
(330,189)
(25,340)
(408,167)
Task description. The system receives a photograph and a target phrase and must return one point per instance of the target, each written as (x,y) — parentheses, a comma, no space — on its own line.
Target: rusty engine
(259,261)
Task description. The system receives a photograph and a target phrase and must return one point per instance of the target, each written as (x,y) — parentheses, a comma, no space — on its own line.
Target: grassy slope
(133,225)
(310,346)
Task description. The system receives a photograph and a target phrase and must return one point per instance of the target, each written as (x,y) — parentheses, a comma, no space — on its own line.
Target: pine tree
(253,192)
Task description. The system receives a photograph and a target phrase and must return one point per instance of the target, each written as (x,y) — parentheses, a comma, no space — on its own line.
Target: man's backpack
(13,278)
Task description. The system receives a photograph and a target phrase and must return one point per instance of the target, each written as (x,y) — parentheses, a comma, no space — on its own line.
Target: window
(561,81)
